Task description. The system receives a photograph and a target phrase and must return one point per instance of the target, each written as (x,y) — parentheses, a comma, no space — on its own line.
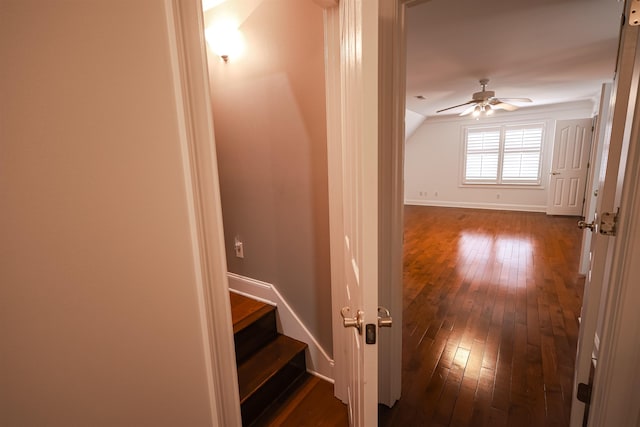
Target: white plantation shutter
(522,149)
(482,154)
(503,155)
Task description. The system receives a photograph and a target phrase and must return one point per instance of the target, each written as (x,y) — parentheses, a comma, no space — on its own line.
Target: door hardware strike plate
(608,223)
(584,393)
(634,16)
(370,334)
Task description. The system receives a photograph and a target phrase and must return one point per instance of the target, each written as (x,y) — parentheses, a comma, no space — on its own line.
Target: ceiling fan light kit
(485,103)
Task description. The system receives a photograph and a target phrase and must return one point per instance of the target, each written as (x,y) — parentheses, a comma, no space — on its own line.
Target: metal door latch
(352,322)
(592,226)
(583,224)
(384,318)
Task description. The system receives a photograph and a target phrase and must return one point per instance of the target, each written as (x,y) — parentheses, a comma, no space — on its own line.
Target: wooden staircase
(271,366)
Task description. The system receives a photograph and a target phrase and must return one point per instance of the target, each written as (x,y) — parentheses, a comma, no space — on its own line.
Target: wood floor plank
(491,302)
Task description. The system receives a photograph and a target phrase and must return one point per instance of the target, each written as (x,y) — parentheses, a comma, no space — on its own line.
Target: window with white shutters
(508,154)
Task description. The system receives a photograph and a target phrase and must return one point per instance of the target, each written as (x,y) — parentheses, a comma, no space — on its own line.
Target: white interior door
(614,156)
(360,204)
(571,150)
(352,110)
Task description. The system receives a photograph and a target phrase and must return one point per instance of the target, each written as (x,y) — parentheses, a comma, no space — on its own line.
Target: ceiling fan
(485,102)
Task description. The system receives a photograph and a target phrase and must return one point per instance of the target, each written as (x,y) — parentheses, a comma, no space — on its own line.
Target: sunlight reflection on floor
(512,255)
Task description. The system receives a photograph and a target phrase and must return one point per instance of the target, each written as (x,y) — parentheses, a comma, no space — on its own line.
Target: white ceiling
(551,51)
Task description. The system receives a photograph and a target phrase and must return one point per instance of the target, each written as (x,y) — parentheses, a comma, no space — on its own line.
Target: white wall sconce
(225,40)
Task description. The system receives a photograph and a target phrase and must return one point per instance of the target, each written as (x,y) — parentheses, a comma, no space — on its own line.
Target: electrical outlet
(239,247)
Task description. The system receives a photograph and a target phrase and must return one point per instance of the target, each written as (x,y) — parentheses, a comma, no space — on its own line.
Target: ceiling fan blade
(515,100)
(505,106)
(468,111)
(456,106)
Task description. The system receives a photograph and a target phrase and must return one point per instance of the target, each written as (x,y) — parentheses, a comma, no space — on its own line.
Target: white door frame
(193,109)
(334,157)
(599,135)
(616,386)
(391,194)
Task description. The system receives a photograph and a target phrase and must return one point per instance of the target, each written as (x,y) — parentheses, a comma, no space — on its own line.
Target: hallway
(491,304)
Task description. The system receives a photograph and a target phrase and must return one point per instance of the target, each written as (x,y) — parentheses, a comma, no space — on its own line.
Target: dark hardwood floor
(491,306)
(491,301)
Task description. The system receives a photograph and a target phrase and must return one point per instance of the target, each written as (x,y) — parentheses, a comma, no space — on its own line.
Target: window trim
(498,181)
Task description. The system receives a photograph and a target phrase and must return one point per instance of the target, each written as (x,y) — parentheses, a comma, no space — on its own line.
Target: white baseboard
(318,361)
(473,205)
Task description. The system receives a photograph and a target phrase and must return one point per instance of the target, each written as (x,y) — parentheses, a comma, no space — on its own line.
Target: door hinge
(584,393)
(608,223)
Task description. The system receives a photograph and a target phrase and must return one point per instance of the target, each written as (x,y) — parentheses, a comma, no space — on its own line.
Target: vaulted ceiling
(551,51)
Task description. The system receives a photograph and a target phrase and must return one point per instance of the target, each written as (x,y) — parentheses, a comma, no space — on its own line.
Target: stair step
(245,310)
(254,325)
(312,404)
(268,374)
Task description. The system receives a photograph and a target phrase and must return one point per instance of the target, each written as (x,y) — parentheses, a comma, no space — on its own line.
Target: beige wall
(99,316)
(433,160)
(270,125)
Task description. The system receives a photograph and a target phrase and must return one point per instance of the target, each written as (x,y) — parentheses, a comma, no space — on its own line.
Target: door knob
(384,318)
(590,225)
(555,173)
(352,322)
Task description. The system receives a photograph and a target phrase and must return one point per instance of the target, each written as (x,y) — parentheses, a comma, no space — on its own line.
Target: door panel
(569,167)
(352,80)
(365,200)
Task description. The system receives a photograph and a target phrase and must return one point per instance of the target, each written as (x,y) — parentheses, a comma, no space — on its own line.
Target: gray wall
(270,128)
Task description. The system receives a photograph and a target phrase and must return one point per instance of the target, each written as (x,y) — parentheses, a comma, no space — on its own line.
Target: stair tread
(245,311)
(257,369)
(312,404)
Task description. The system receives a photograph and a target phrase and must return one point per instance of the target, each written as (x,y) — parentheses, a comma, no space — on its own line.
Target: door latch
(352,322)
(384,318)
(583,224)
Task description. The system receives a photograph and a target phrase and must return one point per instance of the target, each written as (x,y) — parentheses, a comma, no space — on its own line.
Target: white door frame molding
(192,97)
(599,136)
(615,398)
(334,157)
(612,276)
(391,133)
